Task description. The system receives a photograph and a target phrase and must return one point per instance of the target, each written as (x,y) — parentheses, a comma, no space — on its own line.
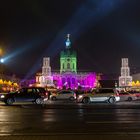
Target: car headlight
(2,96)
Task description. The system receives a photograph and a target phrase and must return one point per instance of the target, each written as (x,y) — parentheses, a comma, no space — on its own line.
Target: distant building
(125,80)
(45,79)
(68,77)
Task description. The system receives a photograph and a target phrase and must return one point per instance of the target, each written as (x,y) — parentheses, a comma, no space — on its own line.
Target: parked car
(30,94)
(126,96)
(63,94)
(137,93)
(108,95)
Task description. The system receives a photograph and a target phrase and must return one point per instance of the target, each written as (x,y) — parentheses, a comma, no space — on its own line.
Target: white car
(126,96)
(63,94)
(109,95)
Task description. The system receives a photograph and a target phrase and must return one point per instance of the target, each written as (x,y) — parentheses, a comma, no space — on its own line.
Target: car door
(123,96)
(67,94)
(31,94)
(106,93)
(101,95)
(97,97)
(21,95)
(61,95)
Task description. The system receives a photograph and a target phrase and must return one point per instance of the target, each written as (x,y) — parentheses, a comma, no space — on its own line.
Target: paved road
(70,121)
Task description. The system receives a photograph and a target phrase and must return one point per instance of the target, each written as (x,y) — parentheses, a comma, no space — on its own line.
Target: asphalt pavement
(69,120)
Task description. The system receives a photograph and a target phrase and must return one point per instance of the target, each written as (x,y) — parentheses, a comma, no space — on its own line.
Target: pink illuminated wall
(72,80)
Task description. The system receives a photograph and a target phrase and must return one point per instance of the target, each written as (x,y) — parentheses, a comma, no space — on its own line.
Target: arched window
(68,66)
(73,80)
(73,65)
(69,82)
(63,65)
(63,80)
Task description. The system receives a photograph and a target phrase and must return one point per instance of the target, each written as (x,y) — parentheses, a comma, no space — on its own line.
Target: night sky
(102,32)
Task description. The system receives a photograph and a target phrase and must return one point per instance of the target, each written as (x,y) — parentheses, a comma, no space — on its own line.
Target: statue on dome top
(68,43)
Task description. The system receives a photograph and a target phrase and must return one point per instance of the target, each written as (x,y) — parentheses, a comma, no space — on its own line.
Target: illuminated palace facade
(67,77)
(125,80)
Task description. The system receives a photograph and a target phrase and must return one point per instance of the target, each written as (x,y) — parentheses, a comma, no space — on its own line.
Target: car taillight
(117,94)
(46,93)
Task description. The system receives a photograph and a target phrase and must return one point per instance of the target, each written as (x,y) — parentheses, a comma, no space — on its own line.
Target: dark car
(30,94)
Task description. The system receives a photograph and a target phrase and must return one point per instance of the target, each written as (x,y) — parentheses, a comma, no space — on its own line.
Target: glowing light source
(86,81)
(68,41)
(2,60)
(1,52)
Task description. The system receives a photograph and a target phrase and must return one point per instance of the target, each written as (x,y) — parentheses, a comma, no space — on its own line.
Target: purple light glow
(73,81)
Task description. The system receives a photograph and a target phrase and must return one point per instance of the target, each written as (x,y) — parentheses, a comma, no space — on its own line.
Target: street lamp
(2,60)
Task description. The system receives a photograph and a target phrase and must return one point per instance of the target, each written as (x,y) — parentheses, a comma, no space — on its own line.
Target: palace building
(68,76)
(125,80)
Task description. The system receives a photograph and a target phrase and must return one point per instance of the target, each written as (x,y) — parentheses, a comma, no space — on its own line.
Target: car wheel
(9,101)
(53,98)
(130,99)
(71,98)
(111,100)
(86,100)
(39,101)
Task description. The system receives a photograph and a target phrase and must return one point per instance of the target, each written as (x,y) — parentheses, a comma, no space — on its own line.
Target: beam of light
(23,48)
(16,52)
(87,16)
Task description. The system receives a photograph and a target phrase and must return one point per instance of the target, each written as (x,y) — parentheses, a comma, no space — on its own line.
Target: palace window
(73,81)
(68,66)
